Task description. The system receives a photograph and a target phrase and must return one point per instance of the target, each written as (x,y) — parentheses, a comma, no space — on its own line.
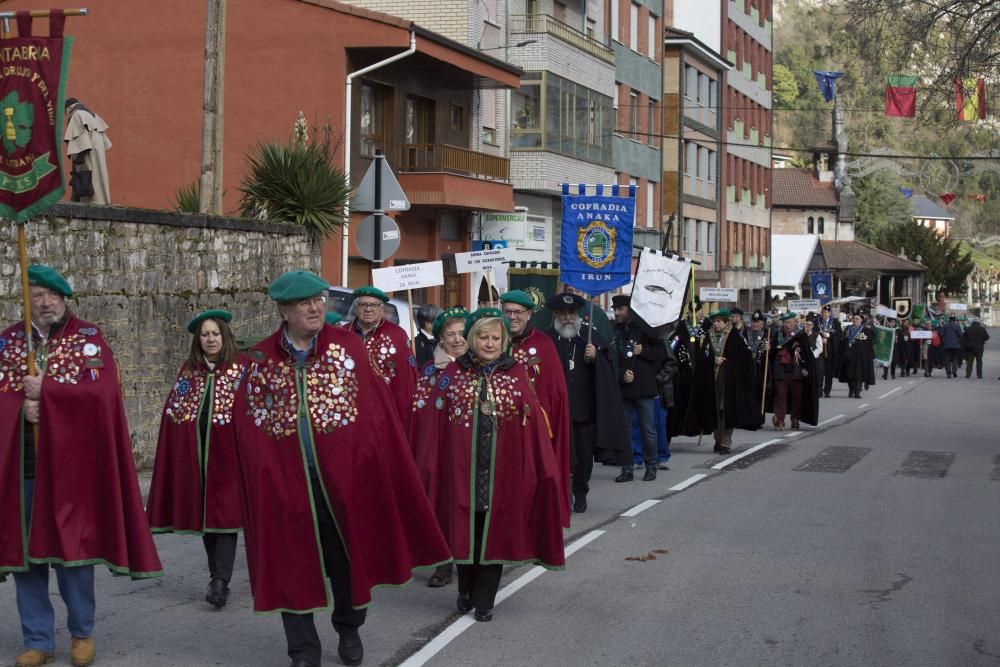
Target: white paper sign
(482,260)
(408,276)
(885,311)
(804,305)
(658,292)
(920,334)
(956,306)
(719,294)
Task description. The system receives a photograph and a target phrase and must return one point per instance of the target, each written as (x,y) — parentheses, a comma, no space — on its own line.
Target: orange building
(139,64)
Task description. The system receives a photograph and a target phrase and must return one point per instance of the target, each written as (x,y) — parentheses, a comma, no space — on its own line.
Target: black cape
(741,404)
(832,346)
(857,359)
(694,387)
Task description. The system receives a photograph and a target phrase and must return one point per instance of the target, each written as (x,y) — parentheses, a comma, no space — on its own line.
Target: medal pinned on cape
(487,407)
(572,364)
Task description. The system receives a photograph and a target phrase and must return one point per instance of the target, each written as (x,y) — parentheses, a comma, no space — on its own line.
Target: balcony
(453,160)
(528,24)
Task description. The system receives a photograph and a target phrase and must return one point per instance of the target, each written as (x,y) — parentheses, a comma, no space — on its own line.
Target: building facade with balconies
(692,78)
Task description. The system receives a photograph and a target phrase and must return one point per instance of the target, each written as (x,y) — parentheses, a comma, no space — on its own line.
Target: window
(819,227)
(457,117)
(713,166)
(713,94)
(614,100)
(419,120)
(702,236)
(488,135)
(650,122)
(711,238)
(374,111)
(526,113)
(691,163)
(614,20)
(703,90)
(690,226)
(703,163)
(635,218)
(633,116)
(691,85)
(633,26)
(651,37)
(810,229)
(649,204)
(591,28)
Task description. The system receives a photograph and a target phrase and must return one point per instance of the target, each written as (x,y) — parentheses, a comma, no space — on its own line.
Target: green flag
(540,284)
(885,338)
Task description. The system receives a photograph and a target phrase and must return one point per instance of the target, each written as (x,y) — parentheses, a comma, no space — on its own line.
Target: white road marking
(863,406)
(694,479)
(792,434)
(890,393)
(435,646)
(733,459)
(911,382)
(641,507)
(827,421)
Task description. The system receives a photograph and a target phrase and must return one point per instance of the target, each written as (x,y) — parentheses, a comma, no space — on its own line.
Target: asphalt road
(870,540)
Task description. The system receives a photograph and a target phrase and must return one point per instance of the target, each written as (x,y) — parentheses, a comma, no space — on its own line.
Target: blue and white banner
(822,286)
(595,253)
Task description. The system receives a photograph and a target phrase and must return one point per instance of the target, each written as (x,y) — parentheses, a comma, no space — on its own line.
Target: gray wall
(141,275)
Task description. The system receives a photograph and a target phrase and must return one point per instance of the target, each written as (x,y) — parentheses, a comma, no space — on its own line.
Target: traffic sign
(379,190)
(388,238)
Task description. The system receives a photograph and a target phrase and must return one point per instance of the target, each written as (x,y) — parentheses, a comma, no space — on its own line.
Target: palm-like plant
(187,198)
(294,182)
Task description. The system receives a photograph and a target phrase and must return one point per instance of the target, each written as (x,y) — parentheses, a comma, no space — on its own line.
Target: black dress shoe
(302,663)
(580,504)
(442,576)
(650,474)
(725,450)
(464,603)
(350,649)
(217,594)
(484,615)
(626,476)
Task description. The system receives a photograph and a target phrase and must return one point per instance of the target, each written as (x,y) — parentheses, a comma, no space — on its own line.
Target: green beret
(196,321)
(519,297)
(789,315)
(296,285)
(373,292)
(450,314)
(333,317)
(483,314)
(722,312)
(41,275)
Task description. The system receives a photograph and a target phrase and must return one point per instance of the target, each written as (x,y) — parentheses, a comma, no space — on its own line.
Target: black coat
(975,337)
(832,344)
(425,348)
(741,403)
(694,386)
(644,366)
(857,361)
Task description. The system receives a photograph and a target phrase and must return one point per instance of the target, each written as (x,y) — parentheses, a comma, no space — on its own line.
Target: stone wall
(141,275)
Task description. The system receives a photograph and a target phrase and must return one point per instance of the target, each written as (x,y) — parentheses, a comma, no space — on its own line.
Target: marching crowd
(341,455)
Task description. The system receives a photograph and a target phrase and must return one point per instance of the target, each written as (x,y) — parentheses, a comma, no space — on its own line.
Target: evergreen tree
(946,264)
(881,206)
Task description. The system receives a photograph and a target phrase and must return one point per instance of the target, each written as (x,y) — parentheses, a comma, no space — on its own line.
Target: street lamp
(512,46)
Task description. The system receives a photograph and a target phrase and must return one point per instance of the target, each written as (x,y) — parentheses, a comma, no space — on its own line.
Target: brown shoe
(82,652)
(778,425)
(33,658)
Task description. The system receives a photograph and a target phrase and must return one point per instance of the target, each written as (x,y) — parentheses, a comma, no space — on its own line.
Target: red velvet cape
(196,484)
(538,354)
(365,466)
(87,507)
(389,348)
(523,523)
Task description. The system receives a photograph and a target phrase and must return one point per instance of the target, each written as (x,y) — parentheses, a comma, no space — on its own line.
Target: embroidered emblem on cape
(596,243)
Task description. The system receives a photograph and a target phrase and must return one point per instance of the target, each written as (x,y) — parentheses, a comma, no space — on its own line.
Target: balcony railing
(542,23)
(453,159)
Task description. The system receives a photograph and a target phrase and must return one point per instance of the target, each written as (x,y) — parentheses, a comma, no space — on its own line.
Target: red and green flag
(970,99)
(901,96)
(32,91)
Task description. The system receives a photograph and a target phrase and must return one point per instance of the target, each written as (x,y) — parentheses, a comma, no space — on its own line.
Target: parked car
(396,310)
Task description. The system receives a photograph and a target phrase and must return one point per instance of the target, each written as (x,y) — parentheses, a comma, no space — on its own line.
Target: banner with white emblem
(658,291)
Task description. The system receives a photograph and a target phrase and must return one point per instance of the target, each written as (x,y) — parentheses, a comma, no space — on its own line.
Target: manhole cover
(926,465)
(834,459)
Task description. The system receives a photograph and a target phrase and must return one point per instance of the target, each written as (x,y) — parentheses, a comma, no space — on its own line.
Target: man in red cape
(389,347)
(328,485)
(538,353)
(71,499)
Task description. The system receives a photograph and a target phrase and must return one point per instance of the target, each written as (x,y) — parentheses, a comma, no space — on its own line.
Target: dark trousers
(829,372)
(787,398)
(642,411)
(582,438)
(951,361)
(300,630)
(479,582)
(854,388)
(978,358)
(820,376)
(221,551)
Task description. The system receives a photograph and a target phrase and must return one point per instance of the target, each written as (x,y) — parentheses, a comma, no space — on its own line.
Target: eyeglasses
(516,313)
(368,306)
(306,304)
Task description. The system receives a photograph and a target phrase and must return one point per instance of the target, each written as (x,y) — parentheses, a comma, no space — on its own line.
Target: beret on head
(450,314)
(196,321)
(296,285)
(789,315)
(333,317)
(621,301)
(722,312)
(519,297)
(373,292)
(41,275)
(565,301)
(484,314)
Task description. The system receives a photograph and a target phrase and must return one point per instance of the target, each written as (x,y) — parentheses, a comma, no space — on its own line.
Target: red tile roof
(858,255)
(799,188)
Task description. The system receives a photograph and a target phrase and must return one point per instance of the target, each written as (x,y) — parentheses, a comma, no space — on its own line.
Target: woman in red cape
(195,487)
(328,484)
(488,466)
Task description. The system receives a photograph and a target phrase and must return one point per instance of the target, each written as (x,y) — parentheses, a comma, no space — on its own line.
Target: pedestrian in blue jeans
(660,415)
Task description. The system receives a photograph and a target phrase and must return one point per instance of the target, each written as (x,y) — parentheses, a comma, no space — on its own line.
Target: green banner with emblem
(885,339)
